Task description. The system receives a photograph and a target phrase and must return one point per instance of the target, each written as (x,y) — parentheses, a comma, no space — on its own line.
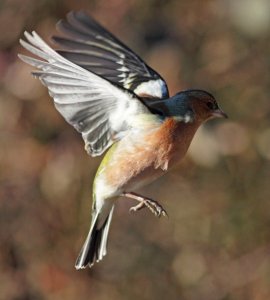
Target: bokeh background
(216,242)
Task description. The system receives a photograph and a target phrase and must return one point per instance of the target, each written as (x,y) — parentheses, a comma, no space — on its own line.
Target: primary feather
(96,108)
(89,45)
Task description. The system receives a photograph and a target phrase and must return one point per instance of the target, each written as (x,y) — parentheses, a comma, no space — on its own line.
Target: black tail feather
(94,248)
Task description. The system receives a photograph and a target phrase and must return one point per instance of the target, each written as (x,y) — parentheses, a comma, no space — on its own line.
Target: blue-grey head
(200,104)
(188,106)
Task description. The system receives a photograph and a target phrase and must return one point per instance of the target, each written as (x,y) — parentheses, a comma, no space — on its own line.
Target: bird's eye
(210,105)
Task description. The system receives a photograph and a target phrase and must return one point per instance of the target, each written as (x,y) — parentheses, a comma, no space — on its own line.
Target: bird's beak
(218,113)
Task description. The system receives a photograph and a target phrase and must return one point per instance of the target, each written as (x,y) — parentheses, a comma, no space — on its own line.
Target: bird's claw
(152,205)
(137,207)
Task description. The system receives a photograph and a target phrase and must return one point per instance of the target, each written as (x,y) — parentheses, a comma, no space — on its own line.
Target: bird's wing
(100,111)
(87,44)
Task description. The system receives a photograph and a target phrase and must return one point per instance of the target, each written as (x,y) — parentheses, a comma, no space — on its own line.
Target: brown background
(216,242)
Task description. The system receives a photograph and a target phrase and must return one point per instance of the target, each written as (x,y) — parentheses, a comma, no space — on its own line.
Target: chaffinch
(117,102)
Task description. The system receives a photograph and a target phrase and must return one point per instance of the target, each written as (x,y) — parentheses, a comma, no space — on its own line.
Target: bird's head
(203,105)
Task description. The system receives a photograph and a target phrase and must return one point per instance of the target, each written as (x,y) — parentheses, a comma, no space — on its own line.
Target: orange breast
(136,160)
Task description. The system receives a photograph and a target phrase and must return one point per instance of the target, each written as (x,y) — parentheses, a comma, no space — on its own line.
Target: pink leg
(153,205)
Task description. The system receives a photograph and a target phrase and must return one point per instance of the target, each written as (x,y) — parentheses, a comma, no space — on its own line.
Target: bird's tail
(95,245)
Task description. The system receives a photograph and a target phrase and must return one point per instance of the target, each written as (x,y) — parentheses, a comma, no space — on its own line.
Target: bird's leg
(151,204)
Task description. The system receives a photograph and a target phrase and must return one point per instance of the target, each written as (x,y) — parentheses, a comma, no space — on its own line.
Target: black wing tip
(82,16)
(82,28)
(56,39)
(71,16)
(79,15)
(61,25)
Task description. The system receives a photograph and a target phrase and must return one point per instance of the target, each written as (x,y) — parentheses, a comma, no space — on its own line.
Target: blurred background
(216,242)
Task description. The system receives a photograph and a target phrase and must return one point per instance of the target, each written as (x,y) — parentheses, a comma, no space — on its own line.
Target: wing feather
(89,45)
(94,106)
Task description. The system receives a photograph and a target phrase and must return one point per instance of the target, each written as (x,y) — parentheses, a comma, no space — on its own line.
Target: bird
(122,108)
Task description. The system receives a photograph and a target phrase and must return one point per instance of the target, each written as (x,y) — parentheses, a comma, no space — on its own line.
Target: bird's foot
(151,204)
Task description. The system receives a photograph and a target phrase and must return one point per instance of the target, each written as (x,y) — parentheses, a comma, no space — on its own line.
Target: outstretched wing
(100,111)
(87,44)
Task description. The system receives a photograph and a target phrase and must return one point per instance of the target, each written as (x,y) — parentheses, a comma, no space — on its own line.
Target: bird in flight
(117,102)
